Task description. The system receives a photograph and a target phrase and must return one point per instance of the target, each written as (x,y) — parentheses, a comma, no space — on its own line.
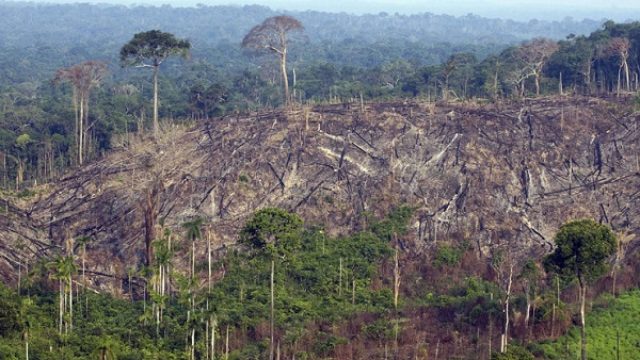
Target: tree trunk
(340,278)
(626,74)
(295,80)
(60,307)
(84,255)
(209,260)
(77,120)
(271,327)
(70,303)
(505,331)
(618,87)
(396,281)
(285,77)
(490,330)
(528,311)
(193,343)
(87,141)
(156,125)
(537,79)
(213,339)
(149,223)
(583,327)
(26,345)
(193,259)
(226,345)
(560,86)
(81,131)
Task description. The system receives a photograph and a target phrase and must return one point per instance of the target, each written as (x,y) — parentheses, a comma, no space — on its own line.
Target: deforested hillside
(504,174)
(350,230)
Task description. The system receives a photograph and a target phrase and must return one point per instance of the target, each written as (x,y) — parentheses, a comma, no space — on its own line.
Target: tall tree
(83,78)
(150,49)
(194,232)
(583,248)
(272,36)
(62,270)
(534,55)
(529,277)
(619,47)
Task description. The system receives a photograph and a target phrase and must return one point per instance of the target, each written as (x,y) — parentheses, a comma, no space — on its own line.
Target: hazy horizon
(621,10)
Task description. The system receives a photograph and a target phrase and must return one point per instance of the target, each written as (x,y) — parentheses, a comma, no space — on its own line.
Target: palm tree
(63,268)
(25,319)
(82,241)
(193,233)
(105,349)
(159,280)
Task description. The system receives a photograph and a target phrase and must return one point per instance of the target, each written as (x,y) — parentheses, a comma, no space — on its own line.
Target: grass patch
(612,321)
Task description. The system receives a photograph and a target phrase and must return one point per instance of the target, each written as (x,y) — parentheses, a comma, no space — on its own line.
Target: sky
(619,10)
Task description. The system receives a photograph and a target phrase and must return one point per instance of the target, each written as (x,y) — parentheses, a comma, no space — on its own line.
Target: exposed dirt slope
(506,174)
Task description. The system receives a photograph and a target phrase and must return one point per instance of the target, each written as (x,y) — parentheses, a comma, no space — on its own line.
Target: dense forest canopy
(61,35)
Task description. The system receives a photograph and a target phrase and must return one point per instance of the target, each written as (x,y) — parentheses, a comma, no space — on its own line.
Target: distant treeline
(339,57)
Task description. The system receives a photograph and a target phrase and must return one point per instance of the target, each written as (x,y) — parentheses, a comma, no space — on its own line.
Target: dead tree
(534,56)
(272,36)
(150,210)
(619,47)
(502,264)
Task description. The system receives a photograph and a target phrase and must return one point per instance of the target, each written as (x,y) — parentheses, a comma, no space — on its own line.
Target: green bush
(9,312)
(447,256)
(514,352)
(272,226)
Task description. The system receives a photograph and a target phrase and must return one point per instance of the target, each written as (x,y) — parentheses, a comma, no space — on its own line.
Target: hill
(494,175)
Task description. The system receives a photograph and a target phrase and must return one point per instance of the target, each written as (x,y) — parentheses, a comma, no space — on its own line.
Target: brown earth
(500,175)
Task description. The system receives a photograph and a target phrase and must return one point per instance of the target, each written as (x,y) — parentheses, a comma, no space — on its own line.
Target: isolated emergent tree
(150,49)
(583,248)
(272,36)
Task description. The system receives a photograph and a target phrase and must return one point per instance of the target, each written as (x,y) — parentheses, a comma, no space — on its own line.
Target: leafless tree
(272,36)
(83,78)
(619,47)
(534,55)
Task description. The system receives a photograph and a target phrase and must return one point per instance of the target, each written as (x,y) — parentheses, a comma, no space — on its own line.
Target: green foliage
(23,140)
(583,246)
(447,256)
(379,330)
(193,228)
(326,343)
(514,352)
(310,286)
(611,319)
(394,224)
(274,227)
(472,301)
(152,45)
(9,312)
